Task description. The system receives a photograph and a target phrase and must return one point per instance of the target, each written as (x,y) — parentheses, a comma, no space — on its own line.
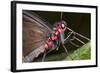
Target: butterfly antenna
(61,15)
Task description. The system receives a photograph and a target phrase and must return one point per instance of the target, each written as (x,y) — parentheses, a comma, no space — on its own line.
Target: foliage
(81,53)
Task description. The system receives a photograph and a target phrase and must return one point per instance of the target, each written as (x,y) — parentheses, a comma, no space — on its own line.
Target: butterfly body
(56,36)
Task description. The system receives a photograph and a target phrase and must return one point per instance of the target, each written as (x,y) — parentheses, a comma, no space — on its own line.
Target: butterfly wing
(35,32)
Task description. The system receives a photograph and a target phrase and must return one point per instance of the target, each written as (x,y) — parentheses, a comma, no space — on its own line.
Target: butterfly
(40,37)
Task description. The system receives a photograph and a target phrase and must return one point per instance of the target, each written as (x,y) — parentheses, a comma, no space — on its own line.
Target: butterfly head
(63,24)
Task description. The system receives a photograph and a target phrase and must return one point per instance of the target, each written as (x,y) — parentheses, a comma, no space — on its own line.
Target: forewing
(35,32)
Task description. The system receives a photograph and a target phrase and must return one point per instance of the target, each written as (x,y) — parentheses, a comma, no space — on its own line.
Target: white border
(35,65)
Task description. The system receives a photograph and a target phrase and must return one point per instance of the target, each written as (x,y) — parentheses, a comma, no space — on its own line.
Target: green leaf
(82,53)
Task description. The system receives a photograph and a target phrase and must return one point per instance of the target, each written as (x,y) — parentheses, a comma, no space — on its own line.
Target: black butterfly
(37,32)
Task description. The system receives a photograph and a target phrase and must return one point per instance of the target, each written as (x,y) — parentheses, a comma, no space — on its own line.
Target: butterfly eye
(54,28)
(63,26)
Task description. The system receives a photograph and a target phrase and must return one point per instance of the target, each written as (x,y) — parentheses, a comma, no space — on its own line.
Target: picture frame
(17,27)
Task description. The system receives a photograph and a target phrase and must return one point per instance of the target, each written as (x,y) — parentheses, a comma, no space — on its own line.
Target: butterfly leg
(57,48)
(74,44)
(67,51)
(57,45)
(44,55)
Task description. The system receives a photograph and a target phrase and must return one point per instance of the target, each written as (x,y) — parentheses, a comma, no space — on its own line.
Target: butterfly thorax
(57,30)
